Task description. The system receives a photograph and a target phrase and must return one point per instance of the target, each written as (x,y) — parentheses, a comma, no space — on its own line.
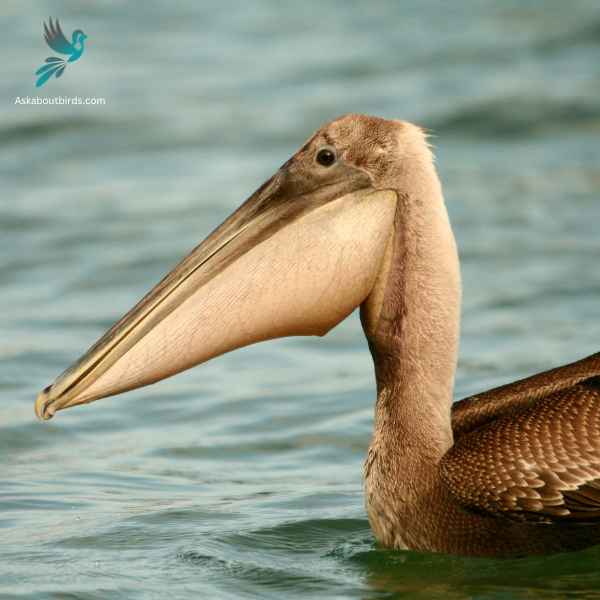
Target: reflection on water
(242,478)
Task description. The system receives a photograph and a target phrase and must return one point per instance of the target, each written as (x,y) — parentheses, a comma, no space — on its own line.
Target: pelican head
(297,257)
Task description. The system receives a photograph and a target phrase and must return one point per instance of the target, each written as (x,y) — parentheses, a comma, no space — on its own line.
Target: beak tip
(43,409)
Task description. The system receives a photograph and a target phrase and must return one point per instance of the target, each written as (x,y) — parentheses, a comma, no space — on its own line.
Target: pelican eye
(326,157)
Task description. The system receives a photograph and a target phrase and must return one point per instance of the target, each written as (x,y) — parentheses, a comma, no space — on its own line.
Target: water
(241,478)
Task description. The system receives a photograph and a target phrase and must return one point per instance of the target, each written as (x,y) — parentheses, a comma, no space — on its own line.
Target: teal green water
(242,478)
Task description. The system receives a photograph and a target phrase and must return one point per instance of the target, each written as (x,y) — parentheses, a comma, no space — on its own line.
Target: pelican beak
(295,259)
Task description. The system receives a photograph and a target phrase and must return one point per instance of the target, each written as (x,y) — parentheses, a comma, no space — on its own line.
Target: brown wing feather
(539,461)
(475,411)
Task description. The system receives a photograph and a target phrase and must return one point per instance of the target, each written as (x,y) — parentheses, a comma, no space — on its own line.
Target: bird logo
(57,41)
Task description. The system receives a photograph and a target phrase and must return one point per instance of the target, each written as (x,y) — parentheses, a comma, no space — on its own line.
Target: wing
(56,39)
(536,461)
(477,410)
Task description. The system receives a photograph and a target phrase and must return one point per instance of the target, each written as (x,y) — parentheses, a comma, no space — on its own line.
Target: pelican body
(356,218)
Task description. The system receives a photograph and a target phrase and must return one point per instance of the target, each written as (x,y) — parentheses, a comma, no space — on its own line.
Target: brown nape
(508,472)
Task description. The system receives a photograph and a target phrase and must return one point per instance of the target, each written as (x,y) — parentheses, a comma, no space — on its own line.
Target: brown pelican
(356,218)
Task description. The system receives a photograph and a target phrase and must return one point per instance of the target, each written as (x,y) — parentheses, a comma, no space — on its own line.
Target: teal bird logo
(57,41)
